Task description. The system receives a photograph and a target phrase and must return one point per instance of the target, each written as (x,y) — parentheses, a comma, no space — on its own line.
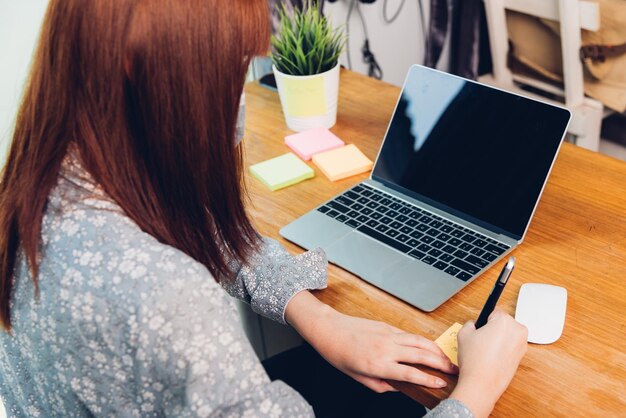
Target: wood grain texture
(577,240)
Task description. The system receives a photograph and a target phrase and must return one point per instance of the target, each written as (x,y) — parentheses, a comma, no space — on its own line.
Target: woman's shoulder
(90,246)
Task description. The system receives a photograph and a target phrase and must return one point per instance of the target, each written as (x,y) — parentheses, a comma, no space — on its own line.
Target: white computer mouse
(541,307)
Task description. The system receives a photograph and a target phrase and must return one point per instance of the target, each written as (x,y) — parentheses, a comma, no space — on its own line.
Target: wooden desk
(577,240)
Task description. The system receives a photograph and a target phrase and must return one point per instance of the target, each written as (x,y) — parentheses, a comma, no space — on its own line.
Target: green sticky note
(282,171)
(304,97)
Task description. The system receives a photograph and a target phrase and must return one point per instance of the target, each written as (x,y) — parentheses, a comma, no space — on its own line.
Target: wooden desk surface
(577,239)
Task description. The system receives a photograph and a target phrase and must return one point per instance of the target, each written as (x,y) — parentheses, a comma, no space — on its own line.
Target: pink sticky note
(343,162)
(311,142)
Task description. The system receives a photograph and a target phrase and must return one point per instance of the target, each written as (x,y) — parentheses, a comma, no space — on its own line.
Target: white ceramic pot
(309,101)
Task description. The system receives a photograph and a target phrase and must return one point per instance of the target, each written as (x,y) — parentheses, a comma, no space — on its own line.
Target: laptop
(455,184)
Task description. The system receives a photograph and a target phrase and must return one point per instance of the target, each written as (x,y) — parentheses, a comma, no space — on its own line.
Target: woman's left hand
(369,351)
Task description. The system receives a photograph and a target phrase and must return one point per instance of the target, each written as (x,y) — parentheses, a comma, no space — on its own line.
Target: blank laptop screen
(477,152)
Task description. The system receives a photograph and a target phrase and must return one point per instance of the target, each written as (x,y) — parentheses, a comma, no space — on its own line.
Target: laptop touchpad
(362,256)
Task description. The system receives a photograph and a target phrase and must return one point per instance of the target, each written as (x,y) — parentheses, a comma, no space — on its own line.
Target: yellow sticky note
(282,171)
(448,342)
(305,97)
(342,162)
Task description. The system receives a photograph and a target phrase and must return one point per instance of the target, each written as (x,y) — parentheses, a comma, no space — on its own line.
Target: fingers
(428,353)
(505,324)
(412,340)
(410,374)
(470,326)
(497,313)
(508,321)
(427,358)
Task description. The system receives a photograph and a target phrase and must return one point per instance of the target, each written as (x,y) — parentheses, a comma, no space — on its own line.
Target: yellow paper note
(342,162)
(282,171)
(448,342)
(304,97)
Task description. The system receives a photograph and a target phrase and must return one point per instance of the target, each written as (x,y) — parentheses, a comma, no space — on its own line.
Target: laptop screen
(477,152)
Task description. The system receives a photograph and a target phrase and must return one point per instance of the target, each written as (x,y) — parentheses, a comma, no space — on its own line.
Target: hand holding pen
(489,356)
(498,287)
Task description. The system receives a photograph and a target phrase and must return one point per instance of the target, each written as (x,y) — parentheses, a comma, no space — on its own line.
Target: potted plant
(305,58)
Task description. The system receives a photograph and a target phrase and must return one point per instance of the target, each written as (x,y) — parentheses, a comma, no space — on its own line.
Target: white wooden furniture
(573,15)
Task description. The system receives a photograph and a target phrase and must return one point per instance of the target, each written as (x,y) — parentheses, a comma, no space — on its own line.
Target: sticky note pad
(282,171)
(448,343)
(342,162)
(304,96)
(306,144)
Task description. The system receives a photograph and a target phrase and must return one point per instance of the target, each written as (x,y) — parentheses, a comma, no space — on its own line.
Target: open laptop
(453,189)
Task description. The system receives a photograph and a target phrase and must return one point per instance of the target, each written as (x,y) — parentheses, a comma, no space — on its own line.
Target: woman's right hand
(488,359)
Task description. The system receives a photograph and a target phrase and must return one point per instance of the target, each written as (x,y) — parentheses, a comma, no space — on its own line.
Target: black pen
(495,293)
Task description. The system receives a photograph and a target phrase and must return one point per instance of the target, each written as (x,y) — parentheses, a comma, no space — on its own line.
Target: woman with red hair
(122,213)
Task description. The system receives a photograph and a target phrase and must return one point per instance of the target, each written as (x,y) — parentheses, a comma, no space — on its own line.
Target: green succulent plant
(306,44)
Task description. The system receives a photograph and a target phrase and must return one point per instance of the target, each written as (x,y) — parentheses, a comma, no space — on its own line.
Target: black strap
(599,53)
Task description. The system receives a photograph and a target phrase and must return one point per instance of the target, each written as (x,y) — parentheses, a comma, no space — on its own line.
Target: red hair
(148,92)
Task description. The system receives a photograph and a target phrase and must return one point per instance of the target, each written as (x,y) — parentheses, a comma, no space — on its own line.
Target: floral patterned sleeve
(272,277)
(450,408)
(197,350)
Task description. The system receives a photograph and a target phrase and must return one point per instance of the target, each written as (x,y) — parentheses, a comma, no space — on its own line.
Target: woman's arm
(274,283)
(368,351)
(272,276)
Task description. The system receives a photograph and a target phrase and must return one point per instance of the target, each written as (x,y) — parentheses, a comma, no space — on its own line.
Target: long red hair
(148,91)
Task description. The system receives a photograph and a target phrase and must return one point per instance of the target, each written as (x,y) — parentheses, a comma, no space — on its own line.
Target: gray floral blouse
(125,326)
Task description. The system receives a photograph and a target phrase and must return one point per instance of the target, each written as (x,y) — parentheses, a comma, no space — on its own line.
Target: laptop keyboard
(423,235)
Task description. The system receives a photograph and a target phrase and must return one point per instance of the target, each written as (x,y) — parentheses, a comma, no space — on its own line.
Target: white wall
(396,46)
(19,28)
